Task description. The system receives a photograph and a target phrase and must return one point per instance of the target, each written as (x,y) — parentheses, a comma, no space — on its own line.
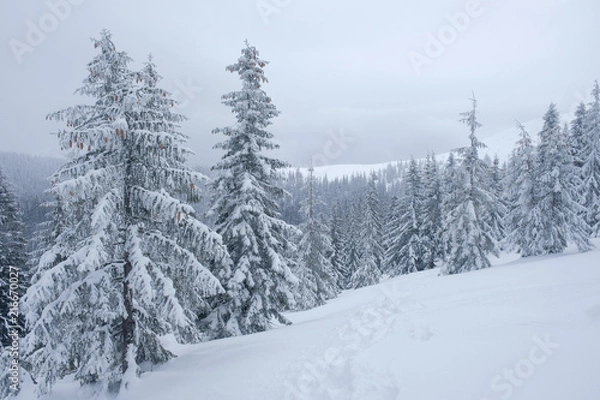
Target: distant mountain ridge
(500,144)
(28,174)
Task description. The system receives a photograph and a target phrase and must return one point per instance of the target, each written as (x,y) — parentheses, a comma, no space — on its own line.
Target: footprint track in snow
(330,373)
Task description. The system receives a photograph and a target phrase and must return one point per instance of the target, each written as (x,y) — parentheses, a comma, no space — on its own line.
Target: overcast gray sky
(356,81)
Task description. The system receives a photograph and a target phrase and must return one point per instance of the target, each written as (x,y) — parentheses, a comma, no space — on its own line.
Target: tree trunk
(128,326)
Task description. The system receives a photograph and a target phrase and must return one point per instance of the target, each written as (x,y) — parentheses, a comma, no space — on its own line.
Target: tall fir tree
(318,278)
(451,186)
(470,237)
(261,283)
(577,139)
(497,215)
(588,157)
(432,212)
(408,251)
(390,236)
(369,240)
(557,205)
(359,275)
(130,262)
(522,221)
(372,231)
(337,257)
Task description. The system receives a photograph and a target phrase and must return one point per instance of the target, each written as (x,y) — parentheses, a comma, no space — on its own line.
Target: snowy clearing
(523,329)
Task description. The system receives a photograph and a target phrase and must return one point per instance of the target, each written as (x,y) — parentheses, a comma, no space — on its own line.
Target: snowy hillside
(500,144)
(524,329)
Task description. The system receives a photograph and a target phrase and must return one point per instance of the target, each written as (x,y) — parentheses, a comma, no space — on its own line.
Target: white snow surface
(522,329)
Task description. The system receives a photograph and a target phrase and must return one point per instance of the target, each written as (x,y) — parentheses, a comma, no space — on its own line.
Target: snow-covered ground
(524,329)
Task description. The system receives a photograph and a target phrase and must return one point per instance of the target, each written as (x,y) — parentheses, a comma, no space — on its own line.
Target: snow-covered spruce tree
(432,212)
(558,209)
(372,233)
(522,222)
(261,283)
(408,252)
(470,238)
(390,236)
(131,263)
(578,134)
(451,187)
(353,247)
(12,260)
(369,240)
(318,278)
(451,183)
(588,156)
(337,257)
(496,217)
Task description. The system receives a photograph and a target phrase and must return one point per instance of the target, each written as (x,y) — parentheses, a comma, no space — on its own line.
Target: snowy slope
(527,328)
(500,144)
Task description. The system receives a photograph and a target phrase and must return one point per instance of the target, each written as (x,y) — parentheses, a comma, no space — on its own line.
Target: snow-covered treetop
(470,119)
(250,68)
(106,70)
(251,105)
(551,121)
